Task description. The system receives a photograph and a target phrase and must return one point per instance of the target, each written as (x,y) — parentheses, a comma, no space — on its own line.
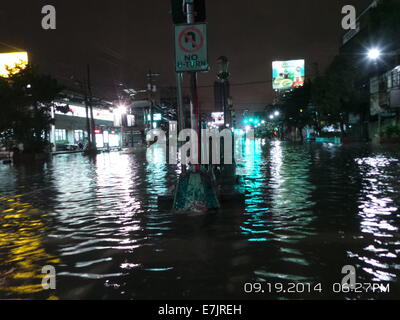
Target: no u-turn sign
(191,48)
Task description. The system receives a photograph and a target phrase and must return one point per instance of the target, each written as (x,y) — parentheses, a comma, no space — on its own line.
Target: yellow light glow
(10,61)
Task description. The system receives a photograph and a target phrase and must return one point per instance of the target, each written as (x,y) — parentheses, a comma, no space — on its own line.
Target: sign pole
(195,191)
(195,109)
(181,114)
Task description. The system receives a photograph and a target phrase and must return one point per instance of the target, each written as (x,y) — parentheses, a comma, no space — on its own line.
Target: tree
(26,99)
(295,108)
(338,92)
(385,23)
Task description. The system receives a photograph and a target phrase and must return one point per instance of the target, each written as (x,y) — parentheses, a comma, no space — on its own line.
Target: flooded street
(310,210)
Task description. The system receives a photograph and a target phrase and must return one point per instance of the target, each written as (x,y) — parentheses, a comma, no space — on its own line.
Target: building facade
(70,130)
(381,81)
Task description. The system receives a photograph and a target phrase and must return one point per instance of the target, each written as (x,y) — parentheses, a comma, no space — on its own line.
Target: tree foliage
(26,98)
(295,107)
(385,22)
(338,92)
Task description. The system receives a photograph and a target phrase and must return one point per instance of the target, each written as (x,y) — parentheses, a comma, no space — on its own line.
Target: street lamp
(122,109)
(374,53)
(276,114)
(223,85)
(223,66)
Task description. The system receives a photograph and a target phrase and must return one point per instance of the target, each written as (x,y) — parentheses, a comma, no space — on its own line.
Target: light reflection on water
(379,219)
(309,210)
(279,208)
(22,253)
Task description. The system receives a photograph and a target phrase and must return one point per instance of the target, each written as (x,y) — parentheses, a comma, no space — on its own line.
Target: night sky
(123,39)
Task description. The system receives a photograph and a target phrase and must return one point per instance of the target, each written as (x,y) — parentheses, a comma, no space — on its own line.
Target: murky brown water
(310,210)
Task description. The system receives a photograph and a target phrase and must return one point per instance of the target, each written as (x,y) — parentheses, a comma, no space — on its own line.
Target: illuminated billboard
(288,74)
(11,60)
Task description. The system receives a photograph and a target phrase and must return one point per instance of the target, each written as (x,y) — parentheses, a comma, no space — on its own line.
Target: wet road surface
(310,210)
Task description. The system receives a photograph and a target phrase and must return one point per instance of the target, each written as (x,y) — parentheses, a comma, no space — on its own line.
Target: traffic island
(196,193)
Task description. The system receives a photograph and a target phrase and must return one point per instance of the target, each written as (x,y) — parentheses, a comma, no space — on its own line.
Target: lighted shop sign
(10,61)
(98,114)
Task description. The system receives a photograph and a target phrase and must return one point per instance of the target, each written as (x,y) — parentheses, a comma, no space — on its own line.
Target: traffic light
(179,11)
(200,14)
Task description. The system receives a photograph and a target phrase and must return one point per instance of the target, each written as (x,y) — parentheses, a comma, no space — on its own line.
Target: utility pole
(151,88)
(89,132)
(93,147)
(83,87)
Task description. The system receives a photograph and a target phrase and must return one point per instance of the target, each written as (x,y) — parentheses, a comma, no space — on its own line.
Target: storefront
(70,130)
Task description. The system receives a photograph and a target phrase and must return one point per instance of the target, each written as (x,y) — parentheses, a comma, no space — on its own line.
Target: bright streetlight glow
(122,109)
(374,54)
(271,116)
(276,113)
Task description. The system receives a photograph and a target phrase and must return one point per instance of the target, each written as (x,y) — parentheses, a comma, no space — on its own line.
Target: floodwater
(309,211)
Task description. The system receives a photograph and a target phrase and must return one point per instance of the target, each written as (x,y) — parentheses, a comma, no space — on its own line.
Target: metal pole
(224,94)
(87,119)
(189,11)
(195,108)
(181,114)
(150,89)
(93,124)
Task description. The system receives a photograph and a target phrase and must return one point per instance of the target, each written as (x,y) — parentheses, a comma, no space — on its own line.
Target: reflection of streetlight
(374,54)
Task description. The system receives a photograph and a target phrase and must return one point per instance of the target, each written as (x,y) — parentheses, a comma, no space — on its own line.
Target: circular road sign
(191,39)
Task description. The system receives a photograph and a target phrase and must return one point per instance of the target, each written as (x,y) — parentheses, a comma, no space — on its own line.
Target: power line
(239,84)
